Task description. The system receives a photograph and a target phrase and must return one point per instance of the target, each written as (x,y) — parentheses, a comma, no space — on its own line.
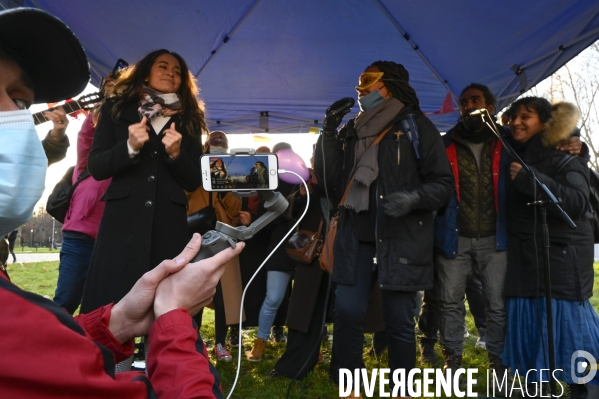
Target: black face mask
(474,130)
(472,124)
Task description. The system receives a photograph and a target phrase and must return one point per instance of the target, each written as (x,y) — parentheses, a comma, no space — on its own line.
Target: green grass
(32,250)
(254,380)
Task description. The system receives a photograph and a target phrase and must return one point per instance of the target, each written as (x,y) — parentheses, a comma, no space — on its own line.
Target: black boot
(499,370)
(577,391)
(428,356)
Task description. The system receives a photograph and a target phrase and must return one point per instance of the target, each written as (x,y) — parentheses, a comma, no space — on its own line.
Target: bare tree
(578,82)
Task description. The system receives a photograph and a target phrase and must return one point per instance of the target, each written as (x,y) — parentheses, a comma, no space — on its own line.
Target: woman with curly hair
(148,141)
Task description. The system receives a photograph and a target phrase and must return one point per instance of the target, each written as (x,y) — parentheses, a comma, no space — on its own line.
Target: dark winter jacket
(404,245)
(447,226)
(145,218)
(571,250)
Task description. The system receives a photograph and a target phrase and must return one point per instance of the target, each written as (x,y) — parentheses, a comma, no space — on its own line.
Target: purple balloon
(289,160)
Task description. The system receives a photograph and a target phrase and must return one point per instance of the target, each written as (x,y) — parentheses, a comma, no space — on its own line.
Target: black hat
(47,50)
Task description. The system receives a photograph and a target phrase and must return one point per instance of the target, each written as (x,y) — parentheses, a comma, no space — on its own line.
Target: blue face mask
(371,100)
(23,165)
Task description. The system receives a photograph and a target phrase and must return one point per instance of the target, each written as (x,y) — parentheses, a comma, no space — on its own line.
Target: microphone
(478,112)
(344,106)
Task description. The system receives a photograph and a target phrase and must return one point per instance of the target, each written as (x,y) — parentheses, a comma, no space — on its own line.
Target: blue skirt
(575,327)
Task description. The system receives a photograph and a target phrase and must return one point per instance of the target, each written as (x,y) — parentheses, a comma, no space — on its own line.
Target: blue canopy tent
(276,65)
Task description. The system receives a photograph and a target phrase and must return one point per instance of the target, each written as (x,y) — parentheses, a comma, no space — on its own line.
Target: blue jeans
(351,304)
(276,285)
(75,255)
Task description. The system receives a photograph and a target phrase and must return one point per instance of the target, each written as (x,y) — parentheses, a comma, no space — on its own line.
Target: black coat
(145,219)
(405,244)
(307,277)
(571,251)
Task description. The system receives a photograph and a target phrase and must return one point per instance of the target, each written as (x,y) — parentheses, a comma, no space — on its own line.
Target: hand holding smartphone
(118,68)
(239,172)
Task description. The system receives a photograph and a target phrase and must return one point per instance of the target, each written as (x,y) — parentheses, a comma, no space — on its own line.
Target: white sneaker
(480,344)
(466,333)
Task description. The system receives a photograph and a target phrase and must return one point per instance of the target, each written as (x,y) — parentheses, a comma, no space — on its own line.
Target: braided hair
(396,79)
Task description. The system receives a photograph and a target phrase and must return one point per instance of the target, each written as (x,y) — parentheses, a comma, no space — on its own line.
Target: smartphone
(118,68)
(239,172)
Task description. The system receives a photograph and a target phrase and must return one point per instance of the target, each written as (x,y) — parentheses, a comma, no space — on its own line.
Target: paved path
(33,257)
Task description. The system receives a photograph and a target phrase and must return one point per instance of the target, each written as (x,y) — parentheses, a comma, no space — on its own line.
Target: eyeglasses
(367,79)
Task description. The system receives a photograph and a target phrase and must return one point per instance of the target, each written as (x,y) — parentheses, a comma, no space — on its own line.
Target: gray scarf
(368,126)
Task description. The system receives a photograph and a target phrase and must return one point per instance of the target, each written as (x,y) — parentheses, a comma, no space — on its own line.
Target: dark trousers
(75,255)
(351,304)
(303,348)
(220,321)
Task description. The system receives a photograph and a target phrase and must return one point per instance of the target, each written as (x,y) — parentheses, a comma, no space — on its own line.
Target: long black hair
(397,79)
(129,89)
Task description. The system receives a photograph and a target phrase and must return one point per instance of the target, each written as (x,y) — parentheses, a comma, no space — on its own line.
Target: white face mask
(23,165)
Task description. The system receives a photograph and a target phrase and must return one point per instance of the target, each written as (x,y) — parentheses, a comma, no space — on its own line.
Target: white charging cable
(280,171)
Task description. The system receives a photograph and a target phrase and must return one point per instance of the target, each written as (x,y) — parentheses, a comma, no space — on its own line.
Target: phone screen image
(239,172)
(118,68)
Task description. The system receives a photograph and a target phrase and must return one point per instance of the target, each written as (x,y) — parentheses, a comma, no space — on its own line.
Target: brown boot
(453,361)
(257,352)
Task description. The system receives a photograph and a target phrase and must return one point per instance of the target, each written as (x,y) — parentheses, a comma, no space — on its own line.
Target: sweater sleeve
(571,185)
(178,363)
(95,324)
(55,151)
(108,156)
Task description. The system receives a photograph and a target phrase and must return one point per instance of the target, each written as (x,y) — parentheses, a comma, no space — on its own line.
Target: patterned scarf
(156,103)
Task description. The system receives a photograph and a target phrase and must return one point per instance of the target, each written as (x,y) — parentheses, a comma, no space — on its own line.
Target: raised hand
(138,134)
(332,119)
(60,122)
(514,169)
(172,141)
(245,218)
(572,145)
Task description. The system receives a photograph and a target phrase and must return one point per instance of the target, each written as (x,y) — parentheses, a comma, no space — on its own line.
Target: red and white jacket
(46,353)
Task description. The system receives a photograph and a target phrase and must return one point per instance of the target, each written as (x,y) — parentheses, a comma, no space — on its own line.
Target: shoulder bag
(59,200)
(327,257)
(304,246)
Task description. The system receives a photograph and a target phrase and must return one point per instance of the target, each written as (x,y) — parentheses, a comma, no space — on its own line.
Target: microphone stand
(542,206)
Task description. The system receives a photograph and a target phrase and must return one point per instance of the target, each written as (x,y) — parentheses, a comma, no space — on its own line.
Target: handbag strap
(375,142)
(82,176)
(318,233)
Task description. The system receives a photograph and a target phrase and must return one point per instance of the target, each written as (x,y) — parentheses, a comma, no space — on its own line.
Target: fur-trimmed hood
(564,118)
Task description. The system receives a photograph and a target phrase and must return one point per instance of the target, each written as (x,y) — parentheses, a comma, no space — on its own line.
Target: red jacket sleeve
(178,363)
(95,325)
(45,353)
